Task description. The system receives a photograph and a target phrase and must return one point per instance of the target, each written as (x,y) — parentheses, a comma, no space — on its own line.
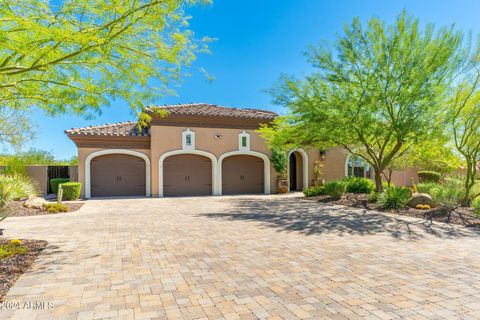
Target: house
(197,149)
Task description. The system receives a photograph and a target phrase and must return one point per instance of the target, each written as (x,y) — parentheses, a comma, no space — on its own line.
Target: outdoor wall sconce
(217,136)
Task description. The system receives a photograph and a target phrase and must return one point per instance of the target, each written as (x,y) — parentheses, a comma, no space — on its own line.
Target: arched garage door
(116,175)
(242,174)
(187,175)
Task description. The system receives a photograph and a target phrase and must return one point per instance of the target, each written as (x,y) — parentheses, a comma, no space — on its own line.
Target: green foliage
(429,176)
(360,185)
(55,182)
(376,92)
(55,207)
(16,242)
(15,127)
(447,195)
(7,250)
(71,190)
(279,160)
(394,198)
(373,198)
(14,187)
(426,187)
(15,166)
(314,191)
(35,157)
(335,189)
(476,206)
(78,56)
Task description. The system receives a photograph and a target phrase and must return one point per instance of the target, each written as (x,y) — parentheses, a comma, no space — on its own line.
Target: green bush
(14,187)
(314,191)
(394,198)
(360,185)
(373,198)
(55,207)
(9,249)
(55,182)
(476,206)
(426,187)
(447,196)
(428,176)
(335,189)
(71,190)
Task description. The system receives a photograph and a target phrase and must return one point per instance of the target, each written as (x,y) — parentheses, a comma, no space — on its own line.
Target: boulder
(35,203)
(420,198)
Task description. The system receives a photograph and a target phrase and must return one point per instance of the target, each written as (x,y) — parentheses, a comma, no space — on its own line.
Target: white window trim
(192,140)
(209,155)
(240,146)
(304,167)
(92,155)
(266,168)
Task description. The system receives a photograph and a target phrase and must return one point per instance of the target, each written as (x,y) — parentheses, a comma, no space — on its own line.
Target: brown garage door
(117,175)
(242,175)
(187,175)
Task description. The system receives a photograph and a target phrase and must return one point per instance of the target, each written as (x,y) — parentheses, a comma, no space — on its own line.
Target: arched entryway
(297,170)
(117,173)
(187,175)
(242,174)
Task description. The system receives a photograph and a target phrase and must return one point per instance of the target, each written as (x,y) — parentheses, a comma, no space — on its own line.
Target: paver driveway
(245,257)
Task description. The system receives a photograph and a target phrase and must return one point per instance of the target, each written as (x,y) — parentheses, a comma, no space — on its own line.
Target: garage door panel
(187,175)
(242,174)
(117,175)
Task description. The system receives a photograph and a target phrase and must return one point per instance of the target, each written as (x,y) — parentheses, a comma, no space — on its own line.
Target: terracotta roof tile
(204,109)
(120,129)
(123,129)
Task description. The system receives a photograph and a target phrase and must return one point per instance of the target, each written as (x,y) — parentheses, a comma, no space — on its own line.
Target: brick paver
(245,257)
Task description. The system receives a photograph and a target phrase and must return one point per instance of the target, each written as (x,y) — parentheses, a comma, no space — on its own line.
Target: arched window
(357,167)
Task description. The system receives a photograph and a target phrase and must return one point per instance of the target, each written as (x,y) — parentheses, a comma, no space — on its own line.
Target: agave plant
(13,187)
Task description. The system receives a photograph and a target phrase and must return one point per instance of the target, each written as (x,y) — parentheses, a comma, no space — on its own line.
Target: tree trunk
(378,179)
(469,180)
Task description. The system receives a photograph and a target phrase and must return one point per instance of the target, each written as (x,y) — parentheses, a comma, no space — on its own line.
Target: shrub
(55,207)
(447,196)
(360,185)
(476,206)
(426,187)
(335,189)
(71,190)
(394,198)
(14,187)
(428,176)
(373,198)
(314,191)
(55,182)
(8,250)
(16,242)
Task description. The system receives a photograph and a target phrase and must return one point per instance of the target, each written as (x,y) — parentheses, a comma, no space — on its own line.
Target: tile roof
(120,129)
(212,110)
(130,128)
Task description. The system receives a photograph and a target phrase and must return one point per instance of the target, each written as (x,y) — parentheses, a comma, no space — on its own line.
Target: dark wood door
(187,175)
(242,175)
(117,175)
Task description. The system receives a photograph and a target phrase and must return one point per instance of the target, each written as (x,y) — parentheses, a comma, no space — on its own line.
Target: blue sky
(257,40)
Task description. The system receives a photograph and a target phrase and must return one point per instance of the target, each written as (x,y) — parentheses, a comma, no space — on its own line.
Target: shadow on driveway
(309,218)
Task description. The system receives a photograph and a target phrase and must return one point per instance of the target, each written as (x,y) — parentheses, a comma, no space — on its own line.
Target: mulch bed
(12,267)
(461,215)
(16,209)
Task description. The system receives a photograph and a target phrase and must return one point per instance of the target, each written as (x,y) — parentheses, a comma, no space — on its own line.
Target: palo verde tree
(464,119)
(77,56)
(378,92)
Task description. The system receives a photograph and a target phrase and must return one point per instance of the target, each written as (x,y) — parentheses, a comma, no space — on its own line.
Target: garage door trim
(116,151)
(197,152)
(266,167)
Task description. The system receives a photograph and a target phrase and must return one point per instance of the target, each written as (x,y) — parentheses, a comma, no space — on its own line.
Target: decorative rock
(34,202)
(420,198)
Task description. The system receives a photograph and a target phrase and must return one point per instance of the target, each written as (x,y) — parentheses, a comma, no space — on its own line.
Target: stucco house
(197,149)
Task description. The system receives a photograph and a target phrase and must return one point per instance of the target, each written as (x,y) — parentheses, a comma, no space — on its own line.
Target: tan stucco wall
(334,164)
(39,174)
(169,138)
(83,154)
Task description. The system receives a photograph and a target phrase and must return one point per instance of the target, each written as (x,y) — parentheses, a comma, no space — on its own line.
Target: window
(188,140)
(243,141)
(357,167)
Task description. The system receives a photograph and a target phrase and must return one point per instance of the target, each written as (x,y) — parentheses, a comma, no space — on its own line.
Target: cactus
(60,194)
(414,186)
